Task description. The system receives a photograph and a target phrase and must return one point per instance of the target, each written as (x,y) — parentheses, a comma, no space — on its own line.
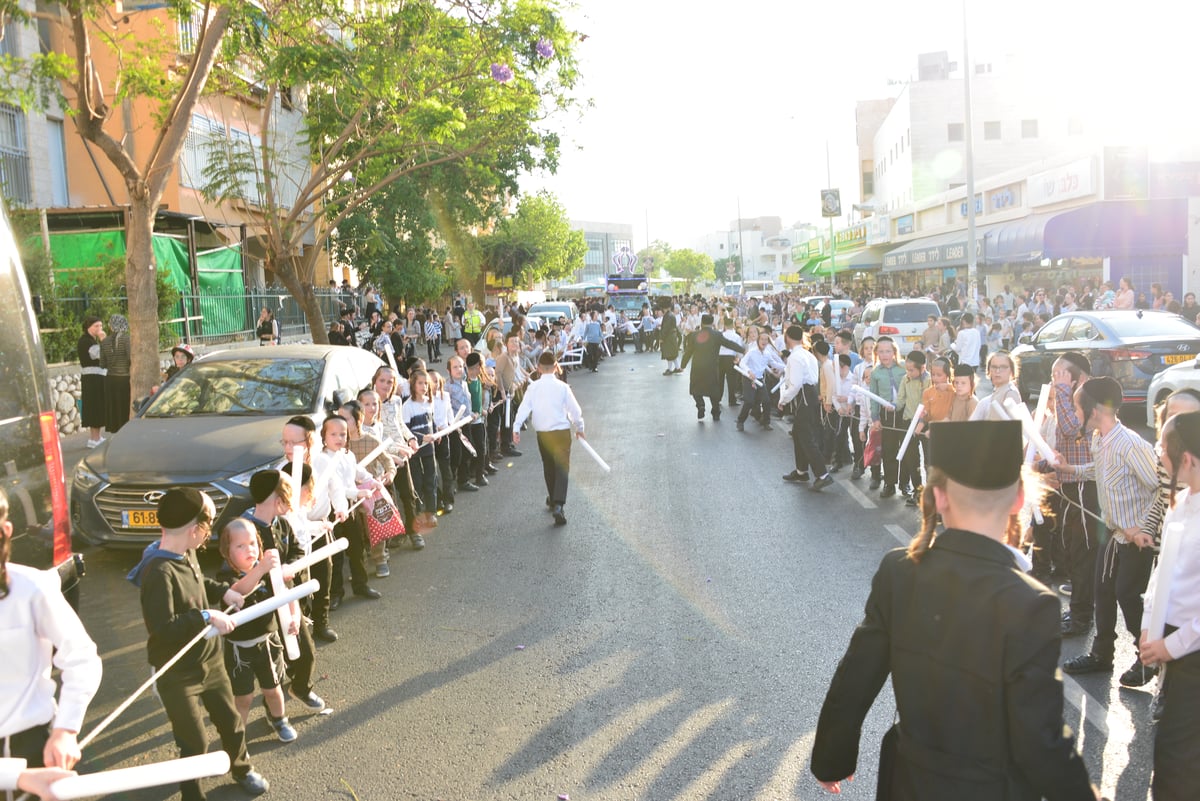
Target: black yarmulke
(980,454)
(262,484)
(964,371)
(179,507)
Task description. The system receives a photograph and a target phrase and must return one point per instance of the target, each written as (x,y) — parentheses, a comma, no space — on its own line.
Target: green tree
(654,257)
(396,91)
(722,271)
(689,266)
(535,244)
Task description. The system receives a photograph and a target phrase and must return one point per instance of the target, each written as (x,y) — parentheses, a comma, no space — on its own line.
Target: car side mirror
(340,396)
(1025,339)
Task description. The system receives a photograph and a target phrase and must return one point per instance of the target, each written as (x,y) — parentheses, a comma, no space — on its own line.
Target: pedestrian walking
(551,408)
(702,348)
(799,390)
(969,640)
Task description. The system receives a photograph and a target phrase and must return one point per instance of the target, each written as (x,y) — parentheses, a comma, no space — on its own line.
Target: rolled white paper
(466,443)
(592,453)
(508,411)
(864,391)
(1017,411)
(746,372)
(297,472)
(1039,419)
(268,606)
(450,428)
(370,457)
(172,771)
(912,429)
(291,643)
(1172,536)
(319,555)
(391,357)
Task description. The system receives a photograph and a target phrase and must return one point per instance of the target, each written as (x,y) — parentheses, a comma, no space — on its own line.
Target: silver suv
(904,320)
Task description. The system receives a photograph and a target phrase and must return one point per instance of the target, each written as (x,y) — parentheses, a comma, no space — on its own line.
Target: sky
(699,108)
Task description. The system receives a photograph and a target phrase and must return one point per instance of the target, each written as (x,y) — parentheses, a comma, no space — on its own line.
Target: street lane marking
(858,495)
(902,536)
(1092,708)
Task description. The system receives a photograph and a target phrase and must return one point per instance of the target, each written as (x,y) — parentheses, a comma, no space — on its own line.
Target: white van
(904,320)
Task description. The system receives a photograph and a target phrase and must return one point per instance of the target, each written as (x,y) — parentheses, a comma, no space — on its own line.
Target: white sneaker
(95,443)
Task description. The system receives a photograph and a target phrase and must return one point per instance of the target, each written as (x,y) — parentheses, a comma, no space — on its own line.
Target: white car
(904,320)
(1179,376)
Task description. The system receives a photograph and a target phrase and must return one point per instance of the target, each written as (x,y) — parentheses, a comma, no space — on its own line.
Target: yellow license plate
(139,518)
(1178,358)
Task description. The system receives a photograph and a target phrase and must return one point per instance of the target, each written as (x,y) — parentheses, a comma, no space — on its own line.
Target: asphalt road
(673,641)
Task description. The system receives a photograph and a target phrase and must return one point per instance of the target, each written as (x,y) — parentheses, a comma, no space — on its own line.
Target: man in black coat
(703,348)
(971,642)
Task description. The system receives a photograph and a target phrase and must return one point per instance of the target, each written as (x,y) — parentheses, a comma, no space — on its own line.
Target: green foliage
(653,258)
(690,266)
(535,244)
(71,296)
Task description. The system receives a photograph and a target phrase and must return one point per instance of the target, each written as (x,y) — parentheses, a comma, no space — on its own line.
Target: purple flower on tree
(502,73)
(544,48)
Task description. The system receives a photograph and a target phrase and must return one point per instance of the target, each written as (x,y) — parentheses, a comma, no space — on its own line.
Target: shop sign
(931,257)
(1175,179)
(816,247)
(878,229)
(853,237)
(1068,182)
(800,252)
(904,225)
(962,207)
(1004,198)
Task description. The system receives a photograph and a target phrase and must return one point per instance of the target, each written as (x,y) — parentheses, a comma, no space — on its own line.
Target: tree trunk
(142,291)
(303,292)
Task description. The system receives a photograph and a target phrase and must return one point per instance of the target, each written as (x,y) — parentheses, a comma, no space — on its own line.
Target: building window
(14,156)
(202,136)
(991,129)
(954,132)
(1074,126)
(60,196)
(1029,129)
(868,183)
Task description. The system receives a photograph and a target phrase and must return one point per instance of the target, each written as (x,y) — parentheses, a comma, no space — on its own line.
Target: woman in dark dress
(669,341)
(115,359)
(91,382)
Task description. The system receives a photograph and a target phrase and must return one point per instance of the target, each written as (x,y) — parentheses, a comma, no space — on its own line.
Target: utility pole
(741,246)
(972,261)
(832,241)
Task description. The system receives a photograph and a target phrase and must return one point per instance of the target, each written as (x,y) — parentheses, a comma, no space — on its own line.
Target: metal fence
(209,319)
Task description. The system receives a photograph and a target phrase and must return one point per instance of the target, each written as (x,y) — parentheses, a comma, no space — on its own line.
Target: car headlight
(243,479)
(85,478)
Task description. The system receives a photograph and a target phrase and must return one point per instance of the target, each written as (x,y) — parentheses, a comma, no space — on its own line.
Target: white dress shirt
(549,405)
(992,407)
(759,361)
(967,345)
(1183,585)
(801,369)
(38,628)
(733,337)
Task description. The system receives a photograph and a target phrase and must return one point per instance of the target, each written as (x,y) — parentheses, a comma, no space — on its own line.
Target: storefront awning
(1017,241)
(1118,228)
(850,261)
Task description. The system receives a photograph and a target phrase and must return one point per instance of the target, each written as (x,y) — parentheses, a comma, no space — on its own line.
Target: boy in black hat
(971,643)
(175,601)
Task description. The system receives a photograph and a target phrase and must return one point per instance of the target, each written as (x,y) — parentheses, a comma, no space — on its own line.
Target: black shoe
(910,499)
(467,487)
(560,519)
(741,426)
(325,634)
(1071,628)
(511,452)
(418,542)
(821,483)
(875,482)
(490,470)
(856,474)
(1087,663)
(836,468)
(448,508)
(310,699)
(716,416)
(796,476)
(1138,675)
(888,491)
(253,783)
(481,481)
(699,414)
(369,593)
(666,372)
(334,602)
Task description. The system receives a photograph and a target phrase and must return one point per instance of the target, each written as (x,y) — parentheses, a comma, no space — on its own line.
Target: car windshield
(251,386)
(1162,326)
(909,312)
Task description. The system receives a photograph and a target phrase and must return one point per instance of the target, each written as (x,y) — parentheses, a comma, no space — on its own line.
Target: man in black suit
(703,348)
(971,642)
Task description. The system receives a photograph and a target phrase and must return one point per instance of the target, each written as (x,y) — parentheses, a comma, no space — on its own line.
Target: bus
(628,293)
(751,289)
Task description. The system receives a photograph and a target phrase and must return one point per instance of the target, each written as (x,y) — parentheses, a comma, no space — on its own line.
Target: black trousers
(353,529)
(182,703)
(806,426)
(405,495)
(1122,572)
(478,435)
(892,436)
(755,401)
(28,745)
(715,400)
(444,451)
(318,603)
(300,670)
(856,439)
(555,449)
(1177,735)
(731,378)
(837,443)
(1079,535)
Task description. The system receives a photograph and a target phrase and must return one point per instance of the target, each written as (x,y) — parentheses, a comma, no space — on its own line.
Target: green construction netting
(219,276)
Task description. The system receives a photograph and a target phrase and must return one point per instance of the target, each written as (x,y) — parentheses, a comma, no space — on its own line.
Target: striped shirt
(1126,478)
(1069,438)
(433,330)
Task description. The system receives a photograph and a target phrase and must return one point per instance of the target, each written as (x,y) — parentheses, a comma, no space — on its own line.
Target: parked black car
(1131,346)
(212,426)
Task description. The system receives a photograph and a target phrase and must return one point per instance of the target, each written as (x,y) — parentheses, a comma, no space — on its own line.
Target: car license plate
(912,340)
(139,518)
(1178,358)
